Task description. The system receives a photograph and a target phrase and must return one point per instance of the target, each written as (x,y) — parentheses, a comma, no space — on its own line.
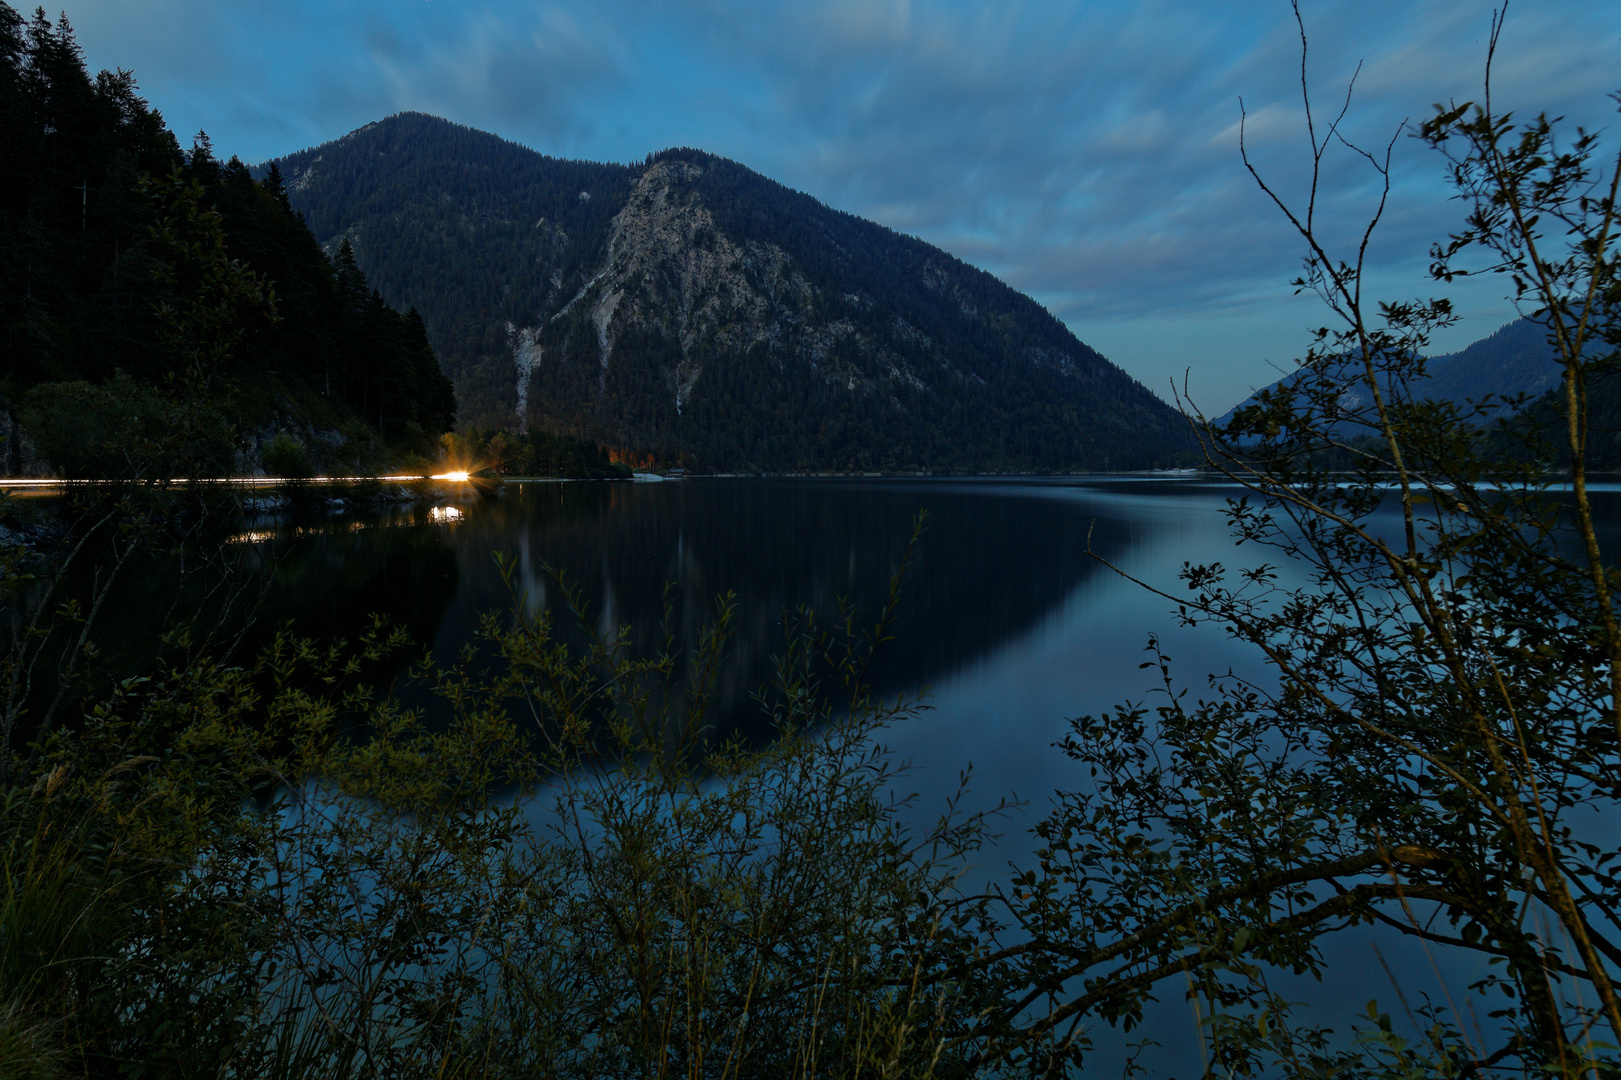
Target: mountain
(1518,359)
(690,307)
(1514,360)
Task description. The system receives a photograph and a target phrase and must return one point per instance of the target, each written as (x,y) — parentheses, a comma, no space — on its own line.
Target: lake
(1006,619)
(1009,622)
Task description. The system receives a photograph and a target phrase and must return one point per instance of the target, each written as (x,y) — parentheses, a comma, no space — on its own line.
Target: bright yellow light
(450,476)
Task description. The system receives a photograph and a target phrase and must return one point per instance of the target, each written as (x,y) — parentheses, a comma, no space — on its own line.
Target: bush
(1439,732)
(204,877)
(124,429)
(285,457)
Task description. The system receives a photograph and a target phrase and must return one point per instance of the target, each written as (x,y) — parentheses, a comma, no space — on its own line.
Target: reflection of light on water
(259,536)
(440,515)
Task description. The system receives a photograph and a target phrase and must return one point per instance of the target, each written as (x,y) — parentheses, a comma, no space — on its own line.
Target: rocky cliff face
(671,272)
(693,308)
(18,456)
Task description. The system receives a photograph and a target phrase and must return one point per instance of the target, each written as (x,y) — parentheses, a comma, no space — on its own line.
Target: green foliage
(538,453)
(1439,727)
(760,914)
(213,295)
(125,429)
(285,456)
(266,867)
(270,870)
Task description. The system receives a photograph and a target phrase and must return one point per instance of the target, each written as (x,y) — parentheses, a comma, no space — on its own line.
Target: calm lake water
(1008,624)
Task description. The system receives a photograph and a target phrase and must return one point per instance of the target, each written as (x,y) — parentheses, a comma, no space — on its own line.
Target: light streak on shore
(21,484)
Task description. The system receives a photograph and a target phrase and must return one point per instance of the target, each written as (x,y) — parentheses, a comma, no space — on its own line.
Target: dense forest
(539,453)
(162,299)
(689,307)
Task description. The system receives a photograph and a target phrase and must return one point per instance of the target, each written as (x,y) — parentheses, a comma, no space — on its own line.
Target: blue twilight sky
(1084,152)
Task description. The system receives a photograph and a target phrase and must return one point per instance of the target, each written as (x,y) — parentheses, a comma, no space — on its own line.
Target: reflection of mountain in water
(989,567)
(992,564)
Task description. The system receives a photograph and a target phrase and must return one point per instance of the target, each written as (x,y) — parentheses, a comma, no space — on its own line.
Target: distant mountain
(1518,359)
(1513,360)
(688,306)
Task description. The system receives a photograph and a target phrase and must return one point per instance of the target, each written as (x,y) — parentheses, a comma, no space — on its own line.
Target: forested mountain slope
(1513,361)
(161,299)
(688,306)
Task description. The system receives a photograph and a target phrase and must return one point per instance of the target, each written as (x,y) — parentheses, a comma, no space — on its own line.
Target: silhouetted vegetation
(124,258)
(537,453)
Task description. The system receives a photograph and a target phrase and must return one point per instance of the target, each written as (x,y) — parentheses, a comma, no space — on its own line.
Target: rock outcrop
(18,457)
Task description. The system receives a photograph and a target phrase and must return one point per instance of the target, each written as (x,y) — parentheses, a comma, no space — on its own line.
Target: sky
(1087,153)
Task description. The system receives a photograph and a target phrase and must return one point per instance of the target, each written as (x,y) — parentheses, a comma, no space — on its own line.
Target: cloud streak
(1085,153)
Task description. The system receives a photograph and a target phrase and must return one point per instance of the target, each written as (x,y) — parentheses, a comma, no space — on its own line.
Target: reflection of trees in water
(231,590)
(331,580)
(989,568)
